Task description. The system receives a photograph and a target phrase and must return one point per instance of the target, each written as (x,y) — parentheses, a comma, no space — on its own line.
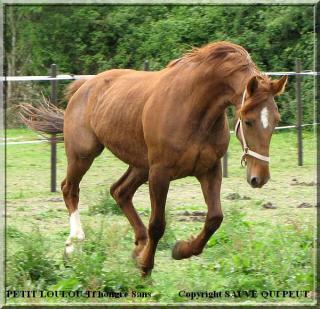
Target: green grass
(254,249)
(105,205)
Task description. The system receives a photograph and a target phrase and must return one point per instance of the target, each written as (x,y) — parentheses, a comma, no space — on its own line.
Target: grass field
(255,248)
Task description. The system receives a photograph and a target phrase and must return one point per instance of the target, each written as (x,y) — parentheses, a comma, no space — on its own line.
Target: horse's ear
(252,85)
(278,86)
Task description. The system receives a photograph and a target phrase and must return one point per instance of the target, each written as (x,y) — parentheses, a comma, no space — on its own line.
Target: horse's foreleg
(70,189)
(158,186)
(210,185)
(122,191)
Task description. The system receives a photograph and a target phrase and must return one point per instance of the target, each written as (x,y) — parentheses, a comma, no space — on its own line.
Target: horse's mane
(225,56)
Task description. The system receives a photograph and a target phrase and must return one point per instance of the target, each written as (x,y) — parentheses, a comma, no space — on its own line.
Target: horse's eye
(248,123)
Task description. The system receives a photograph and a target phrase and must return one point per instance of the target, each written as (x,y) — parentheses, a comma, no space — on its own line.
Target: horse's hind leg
(122,191)
(78,165)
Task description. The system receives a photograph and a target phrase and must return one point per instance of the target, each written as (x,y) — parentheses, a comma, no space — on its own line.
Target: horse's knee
(213,222)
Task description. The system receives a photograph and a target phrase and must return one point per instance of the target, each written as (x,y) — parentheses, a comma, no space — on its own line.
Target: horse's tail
(47,118)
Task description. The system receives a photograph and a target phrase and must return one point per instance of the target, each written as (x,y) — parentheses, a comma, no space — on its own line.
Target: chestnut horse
(167,125)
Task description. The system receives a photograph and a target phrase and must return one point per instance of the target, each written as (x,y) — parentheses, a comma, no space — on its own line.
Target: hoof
(72,246)
(67,255)
(144,269)
(146,273)
(68,250)
(137,250)
(181,250)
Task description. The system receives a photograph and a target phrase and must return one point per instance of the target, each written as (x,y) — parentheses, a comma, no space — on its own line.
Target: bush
(31,262)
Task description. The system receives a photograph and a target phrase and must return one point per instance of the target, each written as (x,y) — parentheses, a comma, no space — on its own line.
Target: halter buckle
(243,160)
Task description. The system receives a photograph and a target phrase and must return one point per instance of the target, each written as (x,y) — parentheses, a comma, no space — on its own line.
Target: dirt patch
(55,199)
(192,213)
(237,196)
(269,205)
(295,182)
(233,196)
(246,197)
(304,205)
(193,216)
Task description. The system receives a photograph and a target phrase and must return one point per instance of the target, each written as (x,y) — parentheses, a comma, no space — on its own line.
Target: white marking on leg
(75,226)
(264,117)
(76,231)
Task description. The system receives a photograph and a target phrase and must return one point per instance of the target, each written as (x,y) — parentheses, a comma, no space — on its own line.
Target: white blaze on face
(264,117)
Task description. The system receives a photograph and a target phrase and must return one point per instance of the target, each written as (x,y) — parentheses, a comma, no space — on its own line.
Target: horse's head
(258,117)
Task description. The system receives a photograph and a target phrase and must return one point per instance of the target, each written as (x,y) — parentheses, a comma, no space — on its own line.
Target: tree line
(87,39)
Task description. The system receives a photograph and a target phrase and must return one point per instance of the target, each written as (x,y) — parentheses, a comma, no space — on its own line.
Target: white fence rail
(74,77)
(43,78)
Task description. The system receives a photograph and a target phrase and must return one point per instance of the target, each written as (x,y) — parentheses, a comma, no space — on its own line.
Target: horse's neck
(231,93)
(211,106)
(211,96)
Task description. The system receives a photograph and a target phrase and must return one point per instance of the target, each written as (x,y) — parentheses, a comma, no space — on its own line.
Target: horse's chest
(208,156)
(200,158)
(201,154)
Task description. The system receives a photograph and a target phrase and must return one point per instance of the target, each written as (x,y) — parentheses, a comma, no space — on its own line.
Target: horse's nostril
(254,181)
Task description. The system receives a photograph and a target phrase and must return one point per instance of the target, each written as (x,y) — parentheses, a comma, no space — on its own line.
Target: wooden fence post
(299,113)
(53,100)
(146,65)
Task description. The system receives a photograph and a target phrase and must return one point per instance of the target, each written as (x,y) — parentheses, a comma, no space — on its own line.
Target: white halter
(246,150)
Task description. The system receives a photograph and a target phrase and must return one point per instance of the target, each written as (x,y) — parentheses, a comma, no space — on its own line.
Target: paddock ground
(256,248)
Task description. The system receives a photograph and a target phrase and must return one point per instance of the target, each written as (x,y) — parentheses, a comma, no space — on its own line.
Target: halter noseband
(246,149)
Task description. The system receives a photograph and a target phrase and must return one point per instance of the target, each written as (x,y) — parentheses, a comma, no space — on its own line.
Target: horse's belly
(125,142)
(119,128)
(133,154)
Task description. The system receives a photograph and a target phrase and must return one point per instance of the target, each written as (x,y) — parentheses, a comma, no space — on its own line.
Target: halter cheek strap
(246,149)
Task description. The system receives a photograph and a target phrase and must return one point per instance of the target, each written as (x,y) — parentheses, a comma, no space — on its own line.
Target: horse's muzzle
(257,182)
